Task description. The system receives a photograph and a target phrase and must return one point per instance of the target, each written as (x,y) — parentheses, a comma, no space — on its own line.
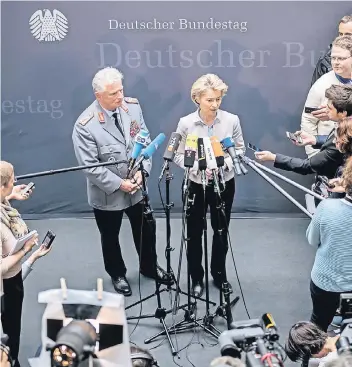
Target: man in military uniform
(104,132)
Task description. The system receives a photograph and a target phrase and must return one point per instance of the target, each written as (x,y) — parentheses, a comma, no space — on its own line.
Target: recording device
(83,328)
(311,109)
(4,348)
(344,343)
(190,150)
(170,151)
(257,338)
(48,239)
(293,137)
(228,145)
(253,147)
(28,188)
(202,161)
(139,143)
(322,185)
(147,152)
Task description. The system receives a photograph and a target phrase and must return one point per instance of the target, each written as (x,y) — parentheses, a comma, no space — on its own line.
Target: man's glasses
(339,59)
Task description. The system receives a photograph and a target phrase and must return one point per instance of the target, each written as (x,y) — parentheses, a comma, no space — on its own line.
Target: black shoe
(162,276)
(198,288)
(122,286)
(218,284)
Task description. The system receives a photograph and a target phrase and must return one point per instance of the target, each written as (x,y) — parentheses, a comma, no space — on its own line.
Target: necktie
(117,122)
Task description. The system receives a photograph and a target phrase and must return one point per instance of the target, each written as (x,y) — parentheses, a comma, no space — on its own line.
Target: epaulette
(131,100)
(86,119)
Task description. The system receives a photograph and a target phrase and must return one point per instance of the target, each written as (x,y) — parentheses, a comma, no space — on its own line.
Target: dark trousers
(325,305)
(12,313)
(109,224)
(195,225)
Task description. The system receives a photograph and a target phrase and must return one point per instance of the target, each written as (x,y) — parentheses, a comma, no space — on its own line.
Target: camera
(83,328)
(256,338)
(344,343)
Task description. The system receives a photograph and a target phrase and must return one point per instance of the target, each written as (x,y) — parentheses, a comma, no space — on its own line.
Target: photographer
(331,232)
(12,228)
(328,160)
(306,340)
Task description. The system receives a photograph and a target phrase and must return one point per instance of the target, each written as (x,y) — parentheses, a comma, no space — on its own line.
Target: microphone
(229,146)
(211,161)
(139,143)
(170,151)
(147,152)
(219,157)
(190,156)
(202,161)
(190,150)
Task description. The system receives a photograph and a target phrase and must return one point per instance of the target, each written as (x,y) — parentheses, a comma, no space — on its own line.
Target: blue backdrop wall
(267,59)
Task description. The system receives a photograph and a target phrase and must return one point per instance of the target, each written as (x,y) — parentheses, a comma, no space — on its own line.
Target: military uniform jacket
(96,139)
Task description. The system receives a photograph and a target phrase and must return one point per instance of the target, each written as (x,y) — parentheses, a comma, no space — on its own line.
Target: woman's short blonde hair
(205,82)
(6,172)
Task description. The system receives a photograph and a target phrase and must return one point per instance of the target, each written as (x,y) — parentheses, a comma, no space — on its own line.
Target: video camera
(83,328)
(344,343)
(257,338)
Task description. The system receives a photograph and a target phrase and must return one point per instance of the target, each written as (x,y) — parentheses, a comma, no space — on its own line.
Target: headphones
(146,356)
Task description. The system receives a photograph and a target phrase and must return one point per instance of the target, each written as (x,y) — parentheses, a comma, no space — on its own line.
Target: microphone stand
(224,308)
(190,320)
(255,166)
(70,169)
(160,312)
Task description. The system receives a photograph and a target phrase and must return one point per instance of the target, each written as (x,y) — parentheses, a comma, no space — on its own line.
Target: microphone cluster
(210,154)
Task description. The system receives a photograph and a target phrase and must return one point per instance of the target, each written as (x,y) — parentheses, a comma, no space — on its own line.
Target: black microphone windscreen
(202,162)
(172,146)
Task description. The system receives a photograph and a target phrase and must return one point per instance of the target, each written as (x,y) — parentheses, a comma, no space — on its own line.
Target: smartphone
(253,147)
(325,181)
(48,239)
(294,137)
(29,187)
(311,109)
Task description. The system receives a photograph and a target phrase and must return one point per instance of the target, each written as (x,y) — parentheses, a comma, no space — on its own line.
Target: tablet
(21,241)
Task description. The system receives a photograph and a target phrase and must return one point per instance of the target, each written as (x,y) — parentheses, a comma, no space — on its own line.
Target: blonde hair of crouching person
(12,272)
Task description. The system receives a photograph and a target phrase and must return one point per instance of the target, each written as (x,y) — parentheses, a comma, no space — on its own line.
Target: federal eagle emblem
(48,27)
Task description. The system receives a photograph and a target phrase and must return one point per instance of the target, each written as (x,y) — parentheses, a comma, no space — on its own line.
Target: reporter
(330,231)
(306,340)
(318,122)
(12,228)
(328,160)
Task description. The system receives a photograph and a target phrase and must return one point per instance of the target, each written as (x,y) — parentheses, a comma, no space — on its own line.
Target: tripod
(224,308)
(190,320)
(160,312)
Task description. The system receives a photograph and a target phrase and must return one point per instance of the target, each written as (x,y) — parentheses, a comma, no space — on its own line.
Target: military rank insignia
(134,129)
(101,117)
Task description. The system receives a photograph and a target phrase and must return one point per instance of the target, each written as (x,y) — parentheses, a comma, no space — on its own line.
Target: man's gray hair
(105,77)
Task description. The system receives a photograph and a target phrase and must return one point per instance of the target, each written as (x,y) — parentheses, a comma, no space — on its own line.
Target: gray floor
(273,261)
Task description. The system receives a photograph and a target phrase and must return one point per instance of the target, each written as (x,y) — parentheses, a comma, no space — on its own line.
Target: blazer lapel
(108,125)
(126,122)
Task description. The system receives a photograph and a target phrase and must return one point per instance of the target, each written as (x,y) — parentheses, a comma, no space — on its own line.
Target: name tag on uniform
(134,129)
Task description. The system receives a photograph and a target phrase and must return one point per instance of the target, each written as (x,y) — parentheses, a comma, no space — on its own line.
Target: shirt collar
(109,113)
(199,121)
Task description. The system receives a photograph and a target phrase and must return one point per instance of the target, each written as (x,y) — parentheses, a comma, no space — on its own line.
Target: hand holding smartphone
(254,148)
(28,188)
(295,138)
(311,109)
(48,239)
